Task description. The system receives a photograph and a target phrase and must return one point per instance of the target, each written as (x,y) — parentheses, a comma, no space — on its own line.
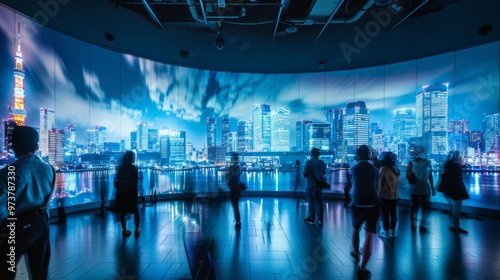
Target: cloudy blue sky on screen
(88,85)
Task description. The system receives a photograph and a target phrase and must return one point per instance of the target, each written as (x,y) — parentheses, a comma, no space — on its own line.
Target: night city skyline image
(90,100)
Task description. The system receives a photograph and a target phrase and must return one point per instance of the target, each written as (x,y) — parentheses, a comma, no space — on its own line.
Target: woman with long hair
(389,178)
(126,180)
(454,190)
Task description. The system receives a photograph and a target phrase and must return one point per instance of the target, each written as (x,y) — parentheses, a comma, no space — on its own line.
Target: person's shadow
(128,259)
(454,267)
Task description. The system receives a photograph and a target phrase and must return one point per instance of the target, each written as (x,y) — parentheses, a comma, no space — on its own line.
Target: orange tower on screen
(18,113)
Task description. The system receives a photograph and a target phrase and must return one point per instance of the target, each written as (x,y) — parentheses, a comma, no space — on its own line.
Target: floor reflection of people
(200,252)
(128,260)
(453,268)
(153,183)
(103,191)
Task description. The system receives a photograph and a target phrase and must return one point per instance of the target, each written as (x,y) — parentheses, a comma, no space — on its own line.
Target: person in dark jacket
(365,205)
(454,189)
(233,181)
(126,180)
(313,171)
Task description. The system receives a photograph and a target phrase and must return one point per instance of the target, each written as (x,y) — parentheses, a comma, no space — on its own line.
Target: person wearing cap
(421,190)
(26,186)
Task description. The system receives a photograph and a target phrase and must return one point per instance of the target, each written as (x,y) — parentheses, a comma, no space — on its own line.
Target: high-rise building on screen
(318,136)
(56,146)
(261,128)
(301,135)
(432,120)
(356,127)
(244,136)
(47,122)
(491,132)
(280,130)
(404,124)
(211,131)
(142,136)
(226,126)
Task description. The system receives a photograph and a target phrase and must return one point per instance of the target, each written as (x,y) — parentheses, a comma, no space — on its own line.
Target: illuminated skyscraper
(231,141)
(56,146)
(100,137)
(318,136)
(476,140)
(491,133)
(8,128)
(355,127)
(261,128)
(244,136)
(334,117)
(172,146)
(301,135)
(133,140)
(458,126)
(142,136)
(404,124)
(211,131)
(47,122)
(70,140)
(280,130)
(153,139)
(226,122)
(18,112)
(432,120)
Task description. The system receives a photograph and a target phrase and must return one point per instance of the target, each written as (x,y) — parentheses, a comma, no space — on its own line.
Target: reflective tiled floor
(196,239)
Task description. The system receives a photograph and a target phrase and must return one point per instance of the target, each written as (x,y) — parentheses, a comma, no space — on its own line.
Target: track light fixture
(219,41)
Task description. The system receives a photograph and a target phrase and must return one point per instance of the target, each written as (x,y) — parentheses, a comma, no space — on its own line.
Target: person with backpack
(420,189)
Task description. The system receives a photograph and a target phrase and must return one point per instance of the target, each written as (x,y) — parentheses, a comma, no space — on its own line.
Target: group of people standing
(374,190)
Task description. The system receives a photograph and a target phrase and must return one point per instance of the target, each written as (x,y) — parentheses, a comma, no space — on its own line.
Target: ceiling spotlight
(184,54)
(219,41)
(109,37)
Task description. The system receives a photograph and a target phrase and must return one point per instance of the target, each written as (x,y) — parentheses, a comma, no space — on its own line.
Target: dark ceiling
(273,36)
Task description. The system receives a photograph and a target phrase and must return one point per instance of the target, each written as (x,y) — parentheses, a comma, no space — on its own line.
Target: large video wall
(88,86)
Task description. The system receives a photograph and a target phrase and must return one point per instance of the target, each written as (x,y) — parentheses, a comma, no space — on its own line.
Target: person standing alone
(389,178)
(27,185)
(233,181)
(421,189)
(126,181)
(365,206)
(313,171)
(455,190)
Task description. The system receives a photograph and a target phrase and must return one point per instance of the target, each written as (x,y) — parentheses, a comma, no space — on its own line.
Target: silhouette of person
(126,181)
(420,191)
(27,185)
(314,169)
(389,178)
(365,206)
(233,179)
(455,190)
(296,182)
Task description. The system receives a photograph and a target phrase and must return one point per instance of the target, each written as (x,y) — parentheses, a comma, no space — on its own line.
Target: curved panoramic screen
(90,104)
